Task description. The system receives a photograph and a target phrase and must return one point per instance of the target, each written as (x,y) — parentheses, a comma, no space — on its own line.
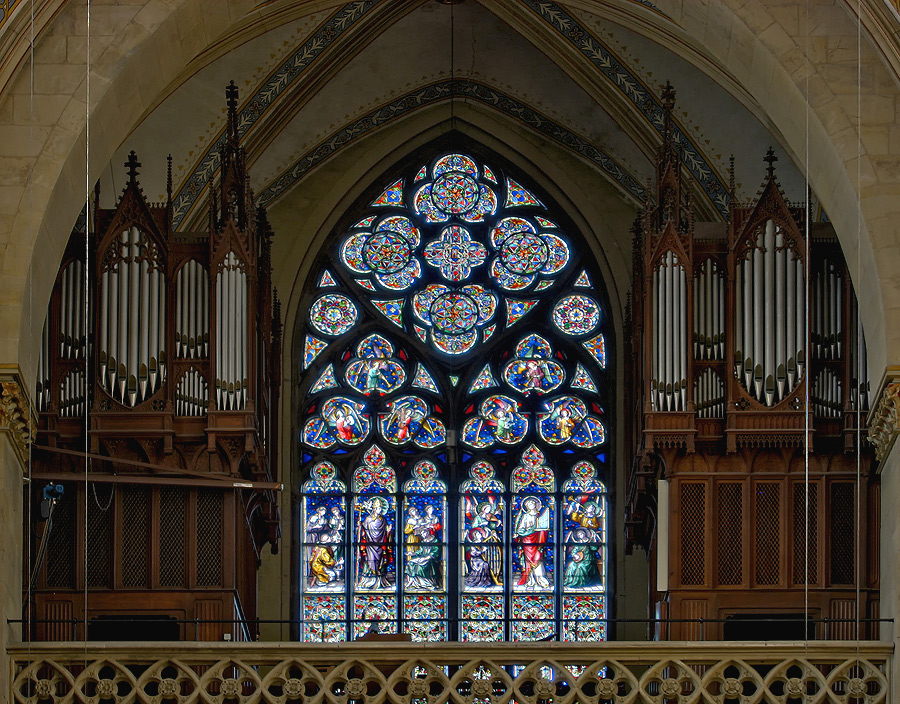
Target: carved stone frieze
(884,418)
(16,413)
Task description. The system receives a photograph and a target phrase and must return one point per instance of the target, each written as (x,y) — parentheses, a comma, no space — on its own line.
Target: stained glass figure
(333,314)
(325,381)
(576,314)
(566,420)
(392,195)
(392,310)
(374,371)
(326,280)
(488,174)
(482,529)
(583,281)
(340,420)
(312,347)
(533,371)
(515,309)
(516,194)
(584,528)
(374,522)
(455,253)
(425,553)
(407,419)
(323,521)
(424,380)
(498,420)
(597,348)
(533,513)
(484,380)
(583,380)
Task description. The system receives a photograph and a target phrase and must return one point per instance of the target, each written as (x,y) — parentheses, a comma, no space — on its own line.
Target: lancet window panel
(770,314)
(450,326)
(669,330)
(132,360)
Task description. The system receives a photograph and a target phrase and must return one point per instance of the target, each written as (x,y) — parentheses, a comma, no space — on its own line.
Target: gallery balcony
(464,673)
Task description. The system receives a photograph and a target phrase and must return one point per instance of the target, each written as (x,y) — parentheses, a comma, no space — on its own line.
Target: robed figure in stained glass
(423,564)
(531,531)
(375,537)
(484,558)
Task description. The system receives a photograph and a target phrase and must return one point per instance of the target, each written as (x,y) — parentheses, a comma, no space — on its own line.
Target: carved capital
(884,417)
(16,413)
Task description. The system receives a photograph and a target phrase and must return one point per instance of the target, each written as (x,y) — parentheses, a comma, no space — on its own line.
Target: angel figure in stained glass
(531,531)
(373,373)
(375,536)
(345,421)
(581,562)
(501,419)
(484,557)
(423,569)
(589,516)
(565,424)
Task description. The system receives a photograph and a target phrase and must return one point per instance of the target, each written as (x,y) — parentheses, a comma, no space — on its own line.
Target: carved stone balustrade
(415,673)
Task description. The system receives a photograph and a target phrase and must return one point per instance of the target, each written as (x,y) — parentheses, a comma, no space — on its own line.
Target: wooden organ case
(172,371)
(725,354)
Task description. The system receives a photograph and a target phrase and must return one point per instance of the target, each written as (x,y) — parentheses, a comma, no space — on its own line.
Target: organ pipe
(772,278)
(709,395)
(231,335)
(709,308)
(670,336)
(131,338)
(192,312)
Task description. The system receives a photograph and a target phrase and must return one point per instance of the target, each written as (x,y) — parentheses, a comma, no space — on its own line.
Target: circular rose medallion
(333,314)
(455,193)
(524,253)
(454,313)
(576,314)
(386,252)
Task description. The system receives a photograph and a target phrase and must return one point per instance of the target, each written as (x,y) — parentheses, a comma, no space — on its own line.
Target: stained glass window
(454,404)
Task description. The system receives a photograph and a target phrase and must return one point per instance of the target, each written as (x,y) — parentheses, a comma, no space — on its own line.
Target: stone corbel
(884,417)
(17,417)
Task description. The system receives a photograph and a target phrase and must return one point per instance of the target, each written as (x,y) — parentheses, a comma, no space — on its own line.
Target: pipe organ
(186,501)
(746,350)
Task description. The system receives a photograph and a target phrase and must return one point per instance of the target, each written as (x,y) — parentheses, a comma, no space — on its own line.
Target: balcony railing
(413,673)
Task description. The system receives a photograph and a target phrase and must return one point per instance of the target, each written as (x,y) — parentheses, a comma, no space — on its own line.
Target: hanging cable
(87,279)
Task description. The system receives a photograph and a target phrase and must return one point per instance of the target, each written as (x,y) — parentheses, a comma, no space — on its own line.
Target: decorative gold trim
(17,418)
(884,417)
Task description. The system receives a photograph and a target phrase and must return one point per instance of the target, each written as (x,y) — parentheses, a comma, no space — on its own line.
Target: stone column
(884,426)
(16,426)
